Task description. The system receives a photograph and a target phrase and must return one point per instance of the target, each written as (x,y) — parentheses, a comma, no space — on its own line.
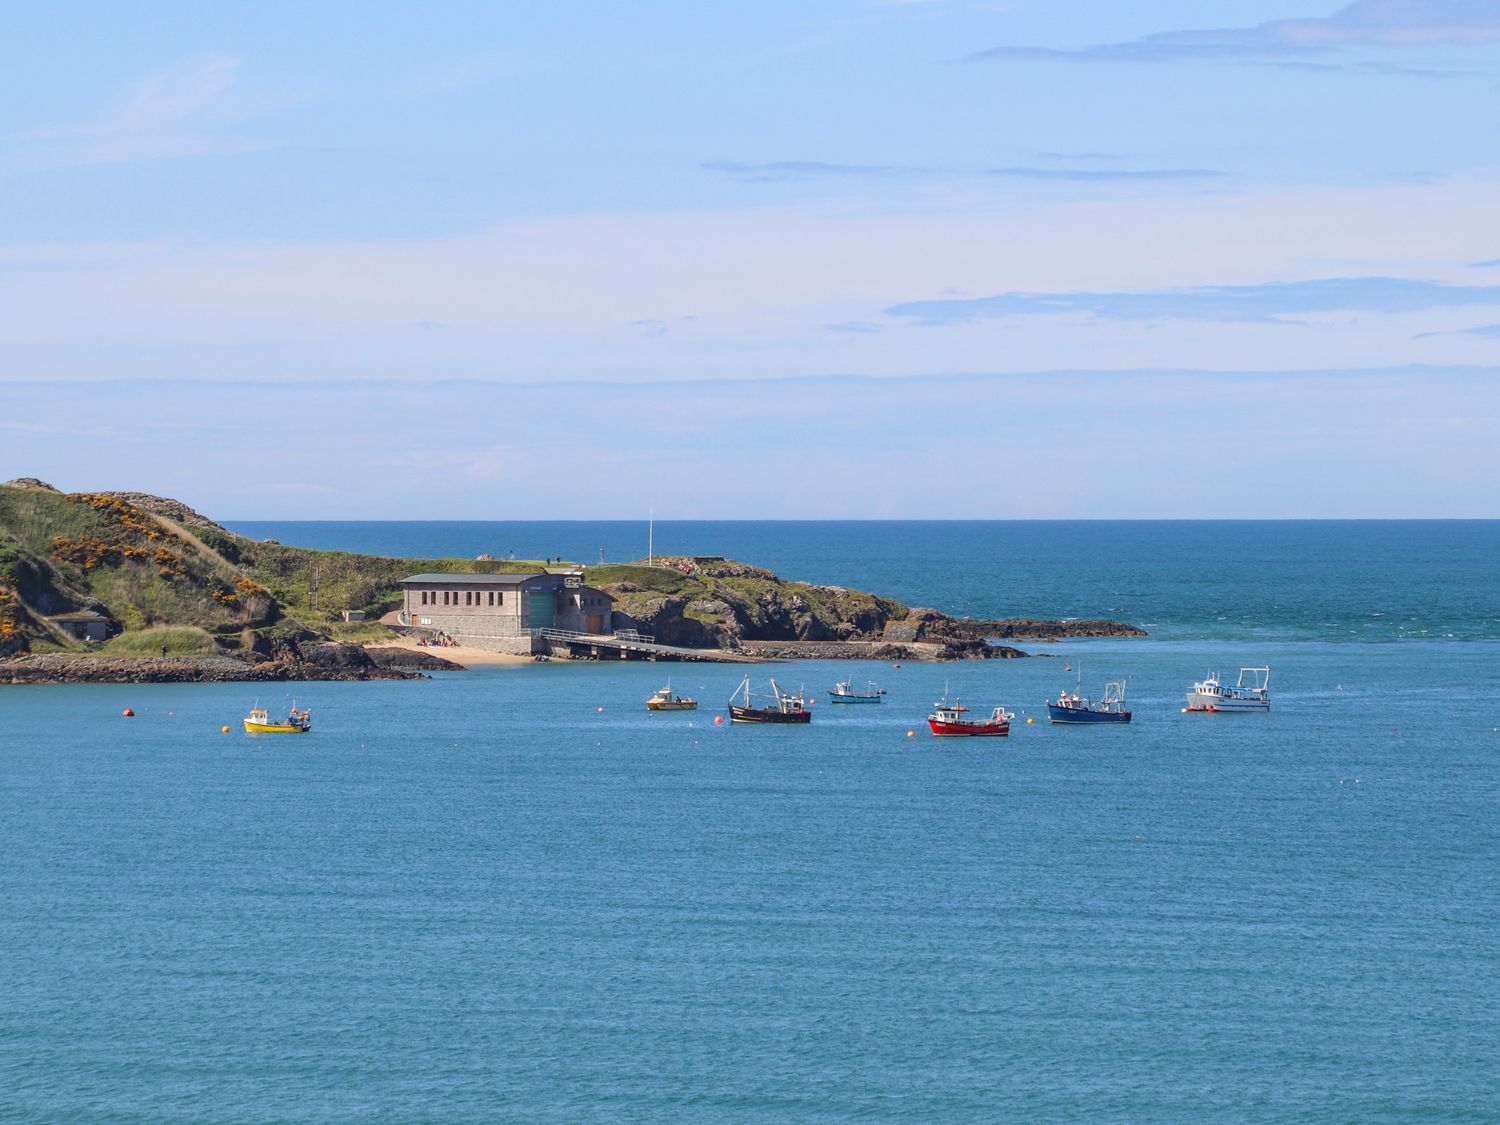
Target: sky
(860,258)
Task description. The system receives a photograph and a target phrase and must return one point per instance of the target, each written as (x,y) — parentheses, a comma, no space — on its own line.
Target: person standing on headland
(164,649)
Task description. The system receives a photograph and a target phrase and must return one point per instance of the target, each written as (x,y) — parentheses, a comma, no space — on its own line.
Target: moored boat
(260,722)
(952,719)
(844,692)
(1074,707)
(1211,695)
(788,708)
(665,700)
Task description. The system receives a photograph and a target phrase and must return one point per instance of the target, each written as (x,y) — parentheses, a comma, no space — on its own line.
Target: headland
(130,587)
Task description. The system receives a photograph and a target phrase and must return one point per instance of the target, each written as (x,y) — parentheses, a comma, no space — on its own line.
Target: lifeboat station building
(504,612)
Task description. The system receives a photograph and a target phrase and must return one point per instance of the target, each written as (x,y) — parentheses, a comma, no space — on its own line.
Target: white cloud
(565,297)
(186,109)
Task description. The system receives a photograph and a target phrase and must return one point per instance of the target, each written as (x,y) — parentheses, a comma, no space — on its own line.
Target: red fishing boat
(952,718)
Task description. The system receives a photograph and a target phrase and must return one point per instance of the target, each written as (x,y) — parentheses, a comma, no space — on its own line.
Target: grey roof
(469,579)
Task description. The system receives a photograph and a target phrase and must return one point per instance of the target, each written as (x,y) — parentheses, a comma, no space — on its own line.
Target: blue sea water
(1356,579)
(513,894)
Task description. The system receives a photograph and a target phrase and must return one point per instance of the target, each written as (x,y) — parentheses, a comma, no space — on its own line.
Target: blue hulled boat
(844,693)
(1073,707)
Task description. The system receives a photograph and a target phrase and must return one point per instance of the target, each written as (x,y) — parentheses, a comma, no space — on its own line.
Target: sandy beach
(459,654)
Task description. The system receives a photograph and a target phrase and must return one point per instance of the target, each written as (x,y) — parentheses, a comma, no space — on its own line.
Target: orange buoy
(224,730)
(911,734)
(718,720)
(129,714)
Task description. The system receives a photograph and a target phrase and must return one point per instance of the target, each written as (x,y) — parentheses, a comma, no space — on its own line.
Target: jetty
(632,646)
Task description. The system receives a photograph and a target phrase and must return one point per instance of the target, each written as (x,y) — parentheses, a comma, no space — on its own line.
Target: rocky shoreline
(318,662)
(916,651)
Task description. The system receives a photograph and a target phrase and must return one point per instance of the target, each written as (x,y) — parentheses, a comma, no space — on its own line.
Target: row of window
(471,597)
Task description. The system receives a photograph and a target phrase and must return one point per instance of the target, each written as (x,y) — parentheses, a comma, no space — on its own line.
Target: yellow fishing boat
(258,722)
(664,700)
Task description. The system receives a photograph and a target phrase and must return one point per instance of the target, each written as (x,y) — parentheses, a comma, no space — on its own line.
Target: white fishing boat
(1251,692)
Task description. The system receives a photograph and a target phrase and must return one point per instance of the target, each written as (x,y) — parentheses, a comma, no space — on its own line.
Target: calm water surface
(482,898)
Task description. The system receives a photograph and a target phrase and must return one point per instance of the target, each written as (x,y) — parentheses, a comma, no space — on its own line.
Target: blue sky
(858,258)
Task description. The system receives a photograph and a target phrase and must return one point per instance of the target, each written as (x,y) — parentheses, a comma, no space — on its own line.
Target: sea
(512,894)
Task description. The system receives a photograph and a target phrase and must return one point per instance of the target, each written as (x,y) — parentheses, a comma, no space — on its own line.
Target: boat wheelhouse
(1211,695)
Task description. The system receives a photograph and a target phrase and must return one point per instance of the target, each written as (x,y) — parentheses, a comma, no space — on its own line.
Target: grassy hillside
(88,551)
(344,581)
(720,602)
(146,572)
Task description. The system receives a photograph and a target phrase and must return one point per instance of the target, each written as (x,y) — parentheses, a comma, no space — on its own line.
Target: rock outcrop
(167,507)
(71,668)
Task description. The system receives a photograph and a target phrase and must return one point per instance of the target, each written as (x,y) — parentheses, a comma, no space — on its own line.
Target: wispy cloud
(1364,23)
(782,170)
(778,170)
(1265,303)
(1104,175)
(182,110)
(858,327)
(1490,264)
(1488,331)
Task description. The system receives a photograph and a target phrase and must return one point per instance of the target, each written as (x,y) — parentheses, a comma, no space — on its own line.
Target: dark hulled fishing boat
(788,708)
(1075,707)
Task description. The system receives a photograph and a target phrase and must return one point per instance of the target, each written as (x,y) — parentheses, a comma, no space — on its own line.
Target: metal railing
(629,636)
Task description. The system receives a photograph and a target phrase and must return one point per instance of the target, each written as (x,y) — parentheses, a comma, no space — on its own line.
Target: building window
(445,597)
(492,597)
(502,597)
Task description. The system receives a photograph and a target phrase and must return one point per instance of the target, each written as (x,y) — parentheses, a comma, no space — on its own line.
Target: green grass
(181,640)
(358,632)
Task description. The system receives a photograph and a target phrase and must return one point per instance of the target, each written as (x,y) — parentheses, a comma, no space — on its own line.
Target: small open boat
(788,708)
(1211,695)
(844,693)
(952,719)
(664,700)
(259,722)
(1074,707)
